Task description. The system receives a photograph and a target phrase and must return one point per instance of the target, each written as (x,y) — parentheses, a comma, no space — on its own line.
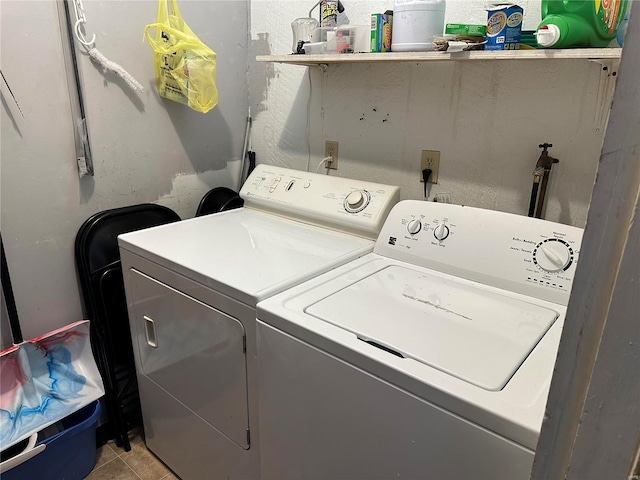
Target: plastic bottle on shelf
(579,23)
(416,24)
(329,10)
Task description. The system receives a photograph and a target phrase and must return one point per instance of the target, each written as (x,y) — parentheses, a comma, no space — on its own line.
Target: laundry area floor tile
(114,463)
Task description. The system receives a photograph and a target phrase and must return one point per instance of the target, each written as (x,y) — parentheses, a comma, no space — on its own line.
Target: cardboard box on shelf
(504,27)
(381,31)
(465,29)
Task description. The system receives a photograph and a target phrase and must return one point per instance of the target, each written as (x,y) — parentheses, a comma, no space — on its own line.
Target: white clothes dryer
(192,289)
(429,358)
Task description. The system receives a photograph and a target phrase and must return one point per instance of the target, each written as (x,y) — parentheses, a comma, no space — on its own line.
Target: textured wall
(486,118)
(145,149)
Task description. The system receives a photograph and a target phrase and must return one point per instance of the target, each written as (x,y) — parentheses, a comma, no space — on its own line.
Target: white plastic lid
(548,35)
(475,334)
(419,5)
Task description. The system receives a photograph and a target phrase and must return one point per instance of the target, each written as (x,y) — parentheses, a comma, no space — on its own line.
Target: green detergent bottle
(579,23)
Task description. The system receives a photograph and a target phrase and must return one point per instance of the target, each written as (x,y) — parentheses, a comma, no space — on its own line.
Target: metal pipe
(534,197)
(540,180)
(245,149)
(543,192)
(76,95)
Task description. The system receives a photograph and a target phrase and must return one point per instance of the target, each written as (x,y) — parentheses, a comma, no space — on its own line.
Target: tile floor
(113,463)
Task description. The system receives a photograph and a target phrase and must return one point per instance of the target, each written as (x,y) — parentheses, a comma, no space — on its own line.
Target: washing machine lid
(470,332)
(245,254)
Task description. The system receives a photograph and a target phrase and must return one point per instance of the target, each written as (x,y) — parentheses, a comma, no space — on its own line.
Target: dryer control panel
(522,254)
(343,204)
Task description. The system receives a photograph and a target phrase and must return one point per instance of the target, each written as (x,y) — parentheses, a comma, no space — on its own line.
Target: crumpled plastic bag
(45,379)
(185,67)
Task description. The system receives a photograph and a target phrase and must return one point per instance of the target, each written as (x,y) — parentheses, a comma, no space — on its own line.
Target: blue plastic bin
(69,454)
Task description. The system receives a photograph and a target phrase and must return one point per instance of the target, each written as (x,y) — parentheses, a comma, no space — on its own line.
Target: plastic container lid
(314,47)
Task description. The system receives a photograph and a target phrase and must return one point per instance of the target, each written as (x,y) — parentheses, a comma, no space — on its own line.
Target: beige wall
(145,149)
(486,118)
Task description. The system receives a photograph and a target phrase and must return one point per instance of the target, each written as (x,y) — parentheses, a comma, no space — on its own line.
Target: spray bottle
(329,10)
(579,23)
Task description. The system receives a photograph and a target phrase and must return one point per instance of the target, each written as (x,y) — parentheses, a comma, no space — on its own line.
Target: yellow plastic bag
(185,67)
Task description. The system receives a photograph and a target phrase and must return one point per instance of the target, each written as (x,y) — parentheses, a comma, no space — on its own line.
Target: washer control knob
(441,232)
(553,255)
(414,226)
(356,201)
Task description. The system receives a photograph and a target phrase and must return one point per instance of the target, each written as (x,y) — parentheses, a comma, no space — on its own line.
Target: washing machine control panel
(357,201)
(435,229)
(353,206)
(553,255)
(527,255)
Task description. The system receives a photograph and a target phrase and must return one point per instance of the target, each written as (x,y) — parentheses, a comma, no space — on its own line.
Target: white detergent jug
(415,24)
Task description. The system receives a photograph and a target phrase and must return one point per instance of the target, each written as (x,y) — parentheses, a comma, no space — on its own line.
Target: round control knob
(414,226)
(441,232)
(356,201)
(553,255)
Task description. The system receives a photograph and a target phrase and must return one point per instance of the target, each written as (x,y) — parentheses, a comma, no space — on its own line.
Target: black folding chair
(219,199)
(100,274)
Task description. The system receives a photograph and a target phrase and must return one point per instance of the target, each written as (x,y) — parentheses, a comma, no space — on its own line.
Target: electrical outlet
(331,150)
(442,198)
(430,159)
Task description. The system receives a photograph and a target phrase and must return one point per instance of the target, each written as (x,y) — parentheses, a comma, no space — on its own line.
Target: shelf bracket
(606,87)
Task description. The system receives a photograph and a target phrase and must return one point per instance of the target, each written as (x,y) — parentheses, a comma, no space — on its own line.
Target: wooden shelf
(538,54)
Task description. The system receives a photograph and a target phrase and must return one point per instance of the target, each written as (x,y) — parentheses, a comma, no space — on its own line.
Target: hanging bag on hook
(185,68)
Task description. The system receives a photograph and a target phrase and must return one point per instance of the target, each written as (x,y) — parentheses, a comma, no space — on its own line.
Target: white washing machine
(429,358)
(192,289)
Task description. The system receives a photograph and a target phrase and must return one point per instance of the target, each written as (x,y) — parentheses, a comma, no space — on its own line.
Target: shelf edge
(395,57)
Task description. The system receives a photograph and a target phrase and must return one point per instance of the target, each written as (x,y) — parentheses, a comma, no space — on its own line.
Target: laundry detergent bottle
(579,23)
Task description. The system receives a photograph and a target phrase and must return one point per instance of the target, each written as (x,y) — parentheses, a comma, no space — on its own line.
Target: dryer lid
(464,329)
(246,254)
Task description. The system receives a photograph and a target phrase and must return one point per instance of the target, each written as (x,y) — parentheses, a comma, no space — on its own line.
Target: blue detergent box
(504,27)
